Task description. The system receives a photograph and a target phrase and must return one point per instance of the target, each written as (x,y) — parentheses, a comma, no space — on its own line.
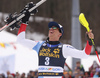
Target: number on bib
(47,60)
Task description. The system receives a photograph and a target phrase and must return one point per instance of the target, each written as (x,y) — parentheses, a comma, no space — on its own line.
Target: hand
(90,34)
(25,19)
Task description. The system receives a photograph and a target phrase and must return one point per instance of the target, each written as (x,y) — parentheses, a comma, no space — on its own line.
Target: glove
(25,19)
(10,18)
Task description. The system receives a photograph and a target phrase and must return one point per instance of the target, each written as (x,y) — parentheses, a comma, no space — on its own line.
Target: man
(52,53)
(78,65)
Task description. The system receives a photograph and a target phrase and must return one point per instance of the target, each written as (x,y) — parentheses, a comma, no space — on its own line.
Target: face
(78,64)
(54,33)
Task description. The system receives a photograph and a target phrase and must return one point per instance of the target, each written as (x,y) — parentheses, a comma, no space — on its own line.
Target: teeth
(51,32)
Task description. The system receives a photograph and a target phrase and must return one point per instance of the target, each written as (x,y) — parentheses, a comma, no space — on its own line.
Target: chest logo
(47,52)
(56,50)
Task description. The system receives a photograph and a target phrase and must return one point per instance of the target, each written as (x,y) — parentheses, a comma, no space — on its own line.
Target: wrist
(24,23)
(90,42)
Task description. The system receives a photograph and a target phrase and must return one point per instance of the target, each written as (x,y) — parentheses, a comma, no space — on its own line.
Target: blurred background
(55,10)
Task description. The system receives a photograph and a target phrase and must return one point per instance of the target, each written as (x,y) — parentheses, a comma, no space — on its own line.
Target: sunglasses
(53,28)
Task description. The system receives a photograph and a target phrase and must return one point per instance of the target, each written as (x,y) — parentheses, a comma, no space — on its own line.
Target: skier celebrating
(52,53)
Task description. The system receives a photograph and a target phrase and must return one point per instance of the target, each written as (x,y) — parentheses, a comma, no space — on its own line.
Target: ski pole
(84,22)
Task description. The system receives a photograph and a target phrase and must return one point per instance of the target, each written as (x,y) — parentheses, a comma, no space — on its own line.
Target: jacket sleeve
(21,37)
(69,50)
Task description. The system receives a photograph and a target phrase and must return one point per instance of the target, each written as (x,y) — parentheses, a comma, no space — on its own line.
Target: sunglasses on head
(53,28)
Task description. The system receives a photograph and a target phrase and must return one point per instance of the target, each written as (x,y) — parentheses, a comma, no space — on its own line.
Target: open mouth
(51,32)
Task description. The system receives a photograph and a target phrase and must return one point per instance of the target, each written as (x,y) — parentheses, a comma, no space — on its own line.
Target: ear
(60,34)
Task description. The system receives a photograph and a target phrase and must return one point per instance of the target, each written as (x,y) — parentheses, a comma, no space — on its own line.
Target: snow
(35,36)
(7,37)
(40,19)
(24,59)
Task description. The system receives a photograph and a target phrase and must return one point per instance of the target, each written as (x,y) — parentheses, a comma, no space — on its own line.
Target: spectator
(78,73)
(70,74)
(96,75)
(8,73)
(66,75)
(2,75)
(94,65)
(93,68)
(92,72)
(17,75)
(86,74)
(78,65)
(32,74)
(28,75)
(13,75)
(36,74)
(23,75)
(10,76)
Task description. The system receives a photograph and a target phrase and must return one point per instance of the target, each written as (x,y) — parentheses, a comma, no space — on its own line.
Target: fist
(90,34)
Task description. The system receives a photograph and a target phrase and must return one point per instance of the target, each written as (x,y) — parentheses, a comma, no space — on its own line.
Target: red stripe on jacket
(88,48)
(22,28)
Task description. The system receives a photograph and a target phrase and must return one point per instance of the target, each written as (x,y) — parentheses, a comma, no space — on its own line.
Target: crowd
(79,72)
(31,74)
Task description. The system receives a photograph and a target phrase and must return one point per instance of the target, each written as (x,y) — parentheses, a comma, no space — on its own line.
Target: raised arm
(69,50)
(21,33)
(21,37)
